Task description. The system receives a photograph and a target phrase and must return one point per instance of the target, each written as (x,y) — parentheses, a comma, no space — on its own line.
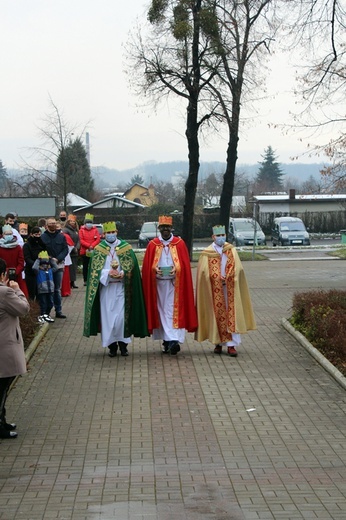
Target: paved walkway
(196,436)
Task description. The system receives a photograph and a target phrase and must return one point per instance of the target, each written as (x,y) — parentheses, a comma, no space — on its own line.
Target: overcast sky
(71,50)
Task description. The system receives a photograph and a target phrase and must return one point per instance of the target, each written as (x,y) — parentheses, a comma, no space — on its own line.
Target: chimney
(292,194)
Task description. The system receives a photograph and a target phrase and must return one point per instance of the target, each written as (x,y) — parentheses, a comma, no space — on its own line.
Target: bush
(29,324)
(321,317)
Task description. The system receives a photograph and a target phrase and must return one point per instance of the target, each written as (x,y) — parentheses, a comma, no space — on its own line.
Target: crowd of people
(51,247)
(120,301)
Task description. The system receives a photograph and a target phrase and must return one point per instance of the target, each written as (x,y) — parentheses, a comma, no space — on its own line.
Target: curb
(327,365)
(29,352)
(36,341)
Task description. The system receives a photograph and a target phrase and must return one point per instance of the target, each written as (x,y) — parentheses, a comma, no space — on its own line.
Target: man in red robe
(168,288)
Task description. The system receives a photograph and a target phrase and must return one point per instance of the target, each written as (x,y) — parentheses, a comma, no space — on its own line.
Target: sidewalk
(195,437)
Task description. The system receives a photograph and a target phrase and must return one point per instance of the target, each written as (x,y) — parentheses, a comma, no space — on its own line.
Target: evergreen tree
(135,179)
(73,170)
(3,177)
(269,177)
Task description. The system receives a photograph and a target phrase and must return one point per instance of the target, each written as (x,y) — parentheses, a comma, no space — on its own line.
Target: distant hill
(165,171)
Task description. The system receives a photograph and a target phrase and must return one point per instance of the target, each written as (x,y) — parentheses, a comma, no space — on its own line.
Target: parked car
(242,232)
(147,232)
(99,228)
(289,231)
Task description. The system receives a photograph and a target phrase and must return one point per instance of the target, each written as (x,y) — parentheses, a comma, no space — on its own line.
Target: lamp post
(254,211)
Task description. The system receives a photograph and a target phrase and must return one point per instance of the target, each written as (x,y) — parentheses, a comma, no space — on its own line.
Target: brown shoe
(218,349)
(232,352)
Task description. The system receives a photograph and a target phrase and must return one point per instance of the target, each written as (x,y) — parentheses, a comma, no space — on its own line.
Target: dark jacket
(55,244)
(73,233)
(32,247)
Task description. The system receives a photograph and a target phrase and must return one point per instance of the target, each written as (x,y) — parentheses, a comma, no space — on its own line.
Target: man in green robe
(114,303)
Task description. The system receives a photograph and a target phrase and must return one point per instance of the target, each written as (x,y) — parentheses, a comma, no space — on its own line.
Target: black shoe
(60,315)
(165,347)
(113,349)
(74,286)
(123,348)
(7,434)
(174,348)
(9,426)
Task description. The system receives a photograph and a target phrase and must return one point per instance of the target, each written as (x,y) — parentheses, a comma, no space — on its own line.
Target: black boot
(174,348)
(123,348)
(113,349)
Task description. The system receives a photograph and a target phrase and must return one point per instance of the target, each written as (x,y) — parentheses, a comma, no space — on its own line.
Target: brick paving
(196,436)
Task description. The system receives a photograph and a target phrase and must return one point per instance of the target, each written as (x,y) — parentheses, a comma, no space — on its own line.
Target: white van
(289,231)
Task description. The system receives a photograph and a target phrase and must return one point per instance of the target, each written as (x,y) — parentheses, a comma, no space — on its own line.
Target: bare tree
(241,32)
(167,57)
(318,30)
(56,135)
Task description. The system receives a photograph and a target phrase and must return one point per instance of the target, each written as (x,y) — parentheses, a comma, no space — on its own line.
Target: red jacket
(88,238)
(184,306)
(14,257)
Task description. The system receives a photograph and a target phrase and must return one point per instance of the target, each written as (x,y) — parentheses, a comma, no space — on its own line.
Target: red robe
(66,282)
(184,314)
(14,257)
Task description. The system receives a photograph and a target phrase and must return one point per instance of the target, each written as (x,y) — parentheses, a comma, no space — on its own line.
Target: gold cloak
(214,321)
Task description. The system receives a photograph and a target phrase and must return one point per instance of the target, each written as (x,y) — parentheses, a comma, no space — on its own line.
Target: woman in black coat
(32,247)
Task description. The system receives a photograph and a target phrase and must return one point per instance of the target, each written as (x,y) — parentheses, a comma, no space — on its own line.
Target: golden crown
(43,255)
(109,226)
(219,230)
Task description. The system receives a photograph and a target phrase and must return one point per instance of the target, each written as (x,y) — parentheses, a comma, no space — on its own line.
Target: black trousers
(5,383)
(85,260)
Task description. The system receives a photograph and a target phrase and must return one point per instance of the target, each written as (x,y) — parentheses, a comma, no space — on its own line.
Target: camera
(12,274)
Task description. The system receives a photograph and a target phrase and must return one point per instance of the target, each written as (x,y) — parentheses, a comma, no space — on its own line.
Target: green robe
(135,315)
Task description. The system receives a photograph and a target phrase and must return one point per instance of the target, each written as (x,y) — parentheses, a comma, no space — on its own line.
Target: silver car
(147,232)
(242,232)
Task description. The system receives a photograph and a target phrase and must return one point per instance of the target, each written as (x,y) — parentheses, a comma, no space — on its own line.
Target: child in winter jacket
(44,267)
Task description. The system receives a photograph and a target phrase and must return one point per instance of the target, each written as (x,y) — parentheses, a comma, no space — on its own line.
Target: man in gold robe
(224,307)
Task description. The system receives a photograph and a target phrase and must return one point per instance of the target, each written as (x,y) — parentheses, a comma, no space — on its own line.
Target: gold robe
(215,321)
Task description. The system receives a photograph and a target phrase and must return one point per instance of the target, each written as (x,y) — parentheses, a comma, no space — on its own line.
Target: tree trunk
(229,175)
(192,127)
(191,182)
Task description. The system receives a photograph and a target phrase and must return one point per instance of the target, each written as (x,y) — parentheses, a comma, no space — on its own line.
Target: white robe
(112,302)
(165,301)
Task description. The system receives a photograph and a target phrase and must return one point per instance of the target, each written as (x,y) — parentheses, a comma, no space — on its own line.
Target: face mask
(8,238)
(88,225)
(219,241)
(63,219)
(111,237)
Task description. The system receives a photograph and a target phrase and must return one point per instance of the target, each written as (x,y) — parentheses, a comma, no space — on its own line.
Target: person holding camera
(12,253)
(13,304)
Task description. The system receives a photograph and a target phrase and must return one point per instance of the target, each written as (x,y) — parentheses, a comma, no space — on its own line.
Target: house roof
(135,184)
(301,198)
(108,202)
(76,201)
